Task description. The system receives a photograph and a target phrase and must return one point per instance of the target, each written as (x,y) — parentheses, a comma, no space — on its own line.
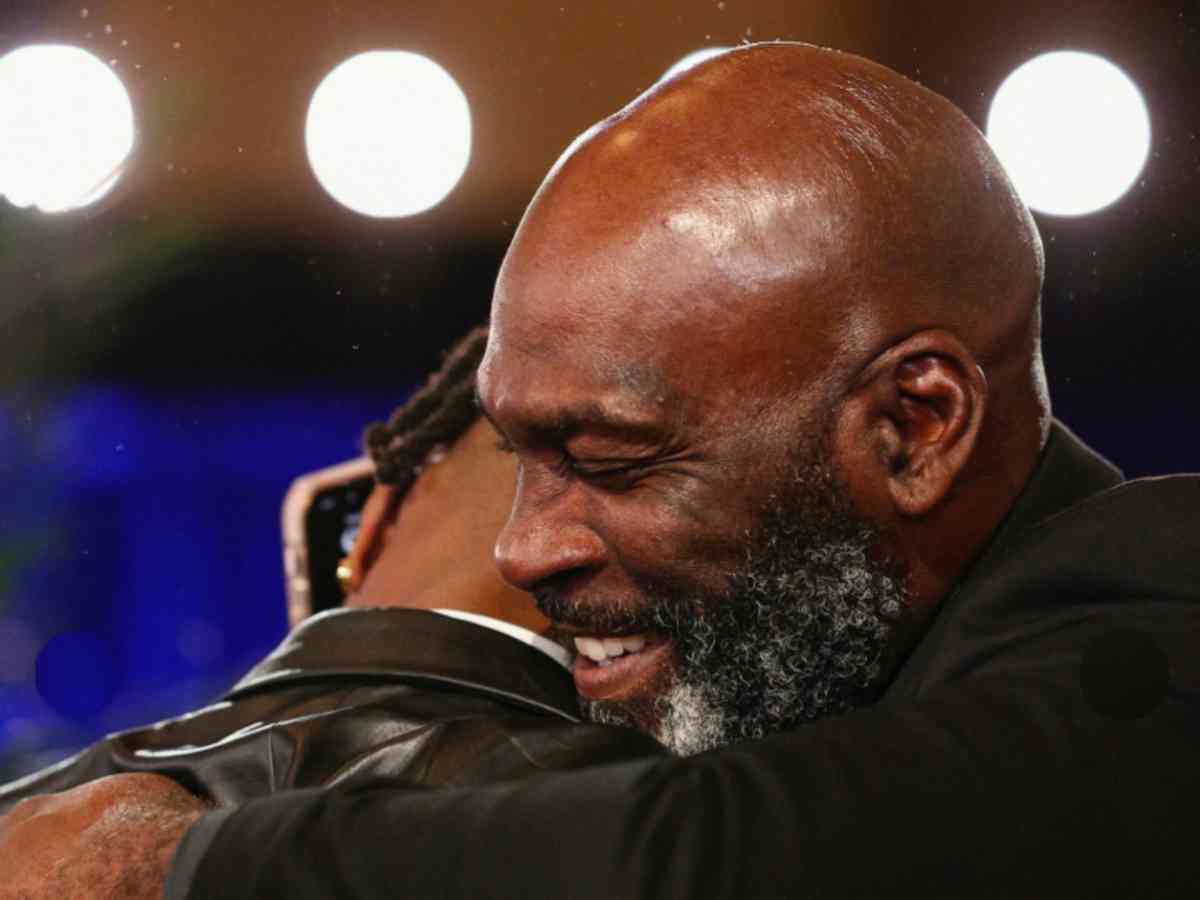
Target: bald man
(766,348)
(808,298)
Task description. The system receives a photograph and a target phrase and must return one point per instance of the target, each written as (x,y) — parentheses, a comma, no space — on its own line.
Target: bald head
(780,242)
(860,196)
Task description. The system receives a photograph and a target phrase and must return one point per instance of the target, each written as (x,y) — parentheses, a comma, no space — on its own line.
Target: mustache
(602,617)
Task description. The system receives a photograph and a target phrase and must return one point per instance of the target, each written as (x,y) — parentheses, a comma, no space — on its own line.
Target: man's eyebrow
(586,417)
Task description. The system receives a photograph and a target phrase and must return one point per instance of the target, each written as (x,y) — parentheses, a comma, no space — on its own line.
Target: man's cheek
(671,541)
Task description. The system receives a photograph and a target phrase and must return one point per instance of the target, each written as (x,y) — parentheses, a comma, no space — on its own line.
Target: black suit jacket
(354,696)
(983,772)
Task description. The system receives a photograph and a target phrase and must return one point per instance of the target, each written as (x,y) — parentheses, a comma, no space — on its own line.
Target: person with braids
(387,687)
(436,414)
(443,495)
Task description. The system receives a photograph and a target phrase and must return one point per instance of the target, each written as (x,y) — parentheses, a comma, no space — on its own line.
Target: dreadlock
(438,413)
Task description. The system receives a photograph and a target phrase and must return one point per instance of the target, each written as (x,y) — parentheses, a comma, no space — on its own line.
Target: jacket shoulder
(1141,536)
(1127,557)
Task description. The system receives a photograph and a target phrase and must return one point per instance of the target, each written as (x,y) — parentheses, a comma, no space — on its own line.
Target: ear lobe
(934,398)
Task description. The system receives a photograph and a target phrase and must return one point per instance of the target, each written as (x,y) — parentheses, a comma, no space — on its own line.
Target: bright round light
(66,127)
(388,133)
(1072,130)
(693,59)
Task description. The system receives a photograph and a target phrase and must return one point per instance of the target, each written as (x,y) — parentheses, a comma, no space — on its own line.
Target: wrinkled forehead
(648,266)
(641,337)
(545,357)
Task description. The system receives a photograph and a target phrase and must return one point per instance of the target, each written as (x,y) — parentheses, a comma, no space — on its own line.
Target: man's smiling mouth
(603,650)
(612,668)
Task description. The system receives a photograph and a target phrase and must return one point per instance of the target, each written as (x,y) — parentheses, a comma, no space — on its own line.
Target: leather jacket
(352,696)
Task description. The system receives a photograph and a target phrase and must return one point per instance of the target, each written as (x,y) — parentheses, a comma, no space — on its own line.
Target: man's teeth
(602,650)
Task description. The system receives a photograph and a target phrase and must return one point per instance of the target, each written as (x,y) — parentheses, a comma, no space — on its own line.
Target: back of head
(443,491)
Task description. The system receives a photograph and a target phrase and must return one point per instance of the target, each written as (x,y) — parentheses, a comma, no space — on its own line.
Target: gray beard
(802,632)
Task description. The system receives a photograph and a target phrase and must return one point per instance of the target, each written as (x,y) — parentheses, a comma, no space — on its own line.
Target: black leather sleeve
(992,788)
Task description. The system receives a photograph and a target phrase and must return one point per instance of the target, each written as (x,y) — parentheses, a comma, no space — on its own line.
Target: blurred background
(228,240)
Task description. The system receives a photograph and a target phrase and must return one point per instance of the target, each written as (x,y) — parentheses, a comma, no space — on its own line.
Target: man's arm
(111,838)
(993,788)
(987,790)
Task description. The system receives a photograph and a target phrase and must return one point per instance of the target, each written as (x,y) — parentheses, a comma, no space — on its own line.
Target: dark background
(173,356)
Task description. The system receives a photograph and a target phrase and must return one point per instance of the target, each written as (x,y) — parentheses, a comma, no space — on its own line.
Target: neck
(941,549)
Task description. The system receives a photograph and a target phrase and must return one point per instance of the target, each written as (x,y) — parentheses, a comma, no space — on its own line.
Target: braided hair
(437,414)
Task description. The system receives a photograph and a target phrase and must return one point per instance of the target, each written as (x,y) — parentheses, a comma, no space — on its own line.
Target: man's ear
(926,398)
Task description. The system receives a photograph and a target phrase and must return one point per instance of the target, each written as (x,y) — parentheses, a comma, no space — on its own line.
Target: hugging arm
(996,788)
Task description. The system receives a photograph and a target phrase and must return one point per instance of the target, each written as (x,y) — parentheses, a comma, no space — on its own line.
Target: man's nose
(540,542)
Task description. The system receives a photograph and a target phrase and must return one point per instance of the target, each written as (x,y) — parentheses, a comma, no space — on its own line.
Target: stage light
(66,127)
(1072,130)
(693,59)
(388,133)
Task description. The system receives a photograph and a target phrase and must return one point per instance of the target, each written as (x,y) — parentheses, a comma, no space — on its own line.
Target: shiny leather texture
(356,695)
